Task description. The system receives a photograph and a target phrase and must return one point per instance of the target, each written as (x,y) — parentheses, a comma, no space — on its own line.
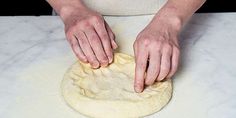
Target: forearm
(65,7)
(179,10)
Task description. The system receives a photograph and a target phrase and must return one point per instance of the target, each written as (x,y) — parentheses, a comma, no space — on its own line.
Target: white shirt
(125,7)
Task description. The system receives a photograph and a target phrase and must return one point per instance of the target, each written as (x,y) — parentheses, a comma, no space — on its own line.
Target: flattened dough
(108,92)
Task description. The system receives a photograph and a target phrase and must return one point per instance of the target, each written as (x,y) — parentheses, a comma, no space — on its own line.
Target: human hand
(90,37)
(156,52)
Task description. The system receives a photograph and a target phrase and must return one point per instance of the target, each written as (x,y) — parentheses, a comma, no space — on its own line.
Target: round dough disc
(108,92)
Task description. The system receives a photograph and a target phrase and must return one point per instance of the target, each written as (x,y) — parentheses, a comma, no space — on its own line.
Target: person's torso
(125,7)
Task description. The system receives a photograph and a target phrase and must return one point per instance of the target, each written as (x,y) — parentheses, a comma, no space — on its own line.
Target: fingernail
(85,60)
(116,46)
(95,65)
(104,65)
(138,89)
(110,59)
(160,79)
(147,82)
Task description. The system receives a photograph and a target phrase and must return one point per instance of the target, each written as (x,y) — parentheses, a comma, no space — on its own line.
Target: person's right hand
(90,37)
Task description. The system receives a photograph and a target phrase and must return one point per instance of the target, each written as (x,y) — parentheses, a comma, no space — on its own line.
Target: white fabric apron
(125,7)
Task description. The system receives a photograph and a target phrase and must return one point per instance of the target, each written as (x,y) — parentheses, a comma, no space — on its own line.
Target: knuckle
(81,41)
(161,38)
(94,37)
(156,46)
(95,41)
(104,36)
(96,18)
(177,50)
(149,41)
(73,45)
(69,32)
(79,23)
(71,42)
(167,46)
(83,24)
(146,41)
(156,43)
(141,65)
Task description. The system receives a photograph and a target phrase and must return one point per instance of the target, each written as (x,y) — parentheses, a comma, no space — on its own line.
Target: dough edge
(123,109)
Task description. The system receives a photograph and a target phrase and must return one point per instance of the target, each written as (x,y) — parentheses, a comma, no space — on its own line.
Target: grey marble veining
(34,56)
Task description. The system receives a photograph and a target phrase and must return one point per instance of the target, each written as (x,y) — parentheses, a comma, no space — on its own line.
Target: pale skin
(156,47)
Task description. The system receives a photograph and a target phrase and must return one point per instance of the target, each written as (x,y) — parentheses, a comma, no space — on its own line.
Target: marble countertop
(34,56)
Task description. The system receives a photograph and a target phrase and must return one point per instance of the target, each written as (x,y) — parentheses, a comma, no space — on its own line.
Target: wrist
(68,10)
(171,17)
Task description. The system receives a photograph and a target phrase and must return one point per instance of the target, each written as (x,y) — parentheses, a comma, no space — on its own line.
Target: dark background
(41,7)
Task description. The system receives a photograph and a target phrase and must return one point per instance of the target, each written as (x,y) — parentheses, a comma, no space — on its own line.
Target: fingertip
(114,45)
(138,89)
(110,59)
(104,64)
(95,65)
(104,61)
(169,76)
(166,79)
(160,79)
(148,82)
(84,60)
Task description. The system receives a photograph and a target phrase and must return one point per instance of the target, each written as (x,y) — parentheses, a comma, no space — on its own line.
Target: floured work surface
(108,92)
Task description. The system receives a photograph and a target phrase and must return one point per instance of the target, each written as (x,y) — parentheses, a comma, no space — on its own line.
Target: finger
(106,42)
(97,47)
(135,47)
(153,68)
(174,62)
(77,49)
(112,37)
(86,48)
(140,68)
(165,63)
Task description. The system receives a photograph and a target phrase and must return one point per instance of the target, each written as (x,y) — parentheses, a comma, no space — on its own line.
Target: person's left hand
(156,52)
